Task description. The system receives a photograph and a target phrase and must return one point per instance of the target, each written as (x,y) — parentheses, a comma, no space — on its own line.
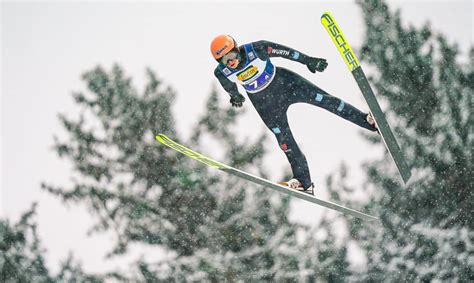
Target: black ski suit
(285,89)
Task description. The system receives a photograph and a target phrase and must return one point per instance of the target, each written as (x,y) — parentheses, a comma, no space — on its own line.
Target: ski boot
(297,185)
(370,119)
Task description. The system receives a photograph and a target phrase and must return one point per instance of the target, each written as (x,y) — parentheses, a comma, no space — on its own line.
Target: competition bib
(256,75)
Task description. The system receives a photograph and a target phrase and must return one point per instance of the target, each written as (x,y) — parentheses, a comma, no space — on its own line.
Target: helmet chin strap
(239,54)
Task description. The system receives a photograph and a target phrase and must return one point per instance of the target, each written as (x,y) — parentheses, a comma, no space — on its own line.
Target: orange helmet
(222,45)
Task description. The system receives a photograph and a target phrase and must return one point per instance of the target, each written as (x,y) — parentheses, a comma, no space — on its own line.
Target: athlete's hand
(237,99)
(316,64)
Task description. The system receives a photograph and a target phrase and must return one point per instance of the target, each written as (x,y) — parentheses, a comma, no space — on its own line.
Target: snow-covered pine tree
(22,258)
(427,85)
(213,227)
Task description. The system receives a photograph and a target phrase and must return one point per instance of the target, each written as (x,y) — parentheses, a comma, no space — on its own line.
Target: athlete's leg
(339,107)
(281,129)
(305,91)
(272,104)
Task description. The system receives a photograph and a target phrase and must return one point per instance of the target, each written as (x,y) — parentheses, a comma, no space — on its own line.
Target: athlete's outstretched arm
(236,99)
(271,49)
(266,49)
(229,86)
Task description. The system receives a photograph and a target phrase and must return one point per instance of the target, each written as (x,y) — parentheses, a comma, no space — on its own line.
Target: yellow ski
(354,66)
(258,180)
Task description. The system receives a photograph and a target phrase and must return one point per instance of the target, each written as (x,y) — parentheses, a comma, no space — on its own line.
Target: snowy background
(46,46)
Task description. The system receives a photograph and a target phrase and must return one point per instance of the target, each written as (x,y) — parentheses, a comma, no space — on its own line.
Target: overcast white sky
(46,46)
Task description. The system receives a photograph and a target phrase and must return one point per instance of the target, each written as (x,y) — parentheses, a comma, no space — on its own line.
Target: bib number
(257,84)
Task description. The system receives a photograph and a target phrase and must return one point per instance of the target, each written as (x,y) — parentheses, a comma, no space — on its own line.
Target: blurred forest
(221,228)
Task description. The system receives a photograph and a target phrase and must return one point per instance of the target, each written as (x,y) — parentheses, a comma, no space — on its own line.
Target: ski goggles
(232,55)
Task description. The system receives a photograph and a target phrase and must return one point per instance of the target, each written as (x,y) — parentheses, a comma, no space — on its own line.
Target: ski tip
(160,137)
(326,15)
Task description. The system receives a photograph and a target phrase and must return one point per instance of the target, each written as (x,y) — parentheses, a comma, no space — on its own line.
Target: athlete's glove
(316,64)
(237,99)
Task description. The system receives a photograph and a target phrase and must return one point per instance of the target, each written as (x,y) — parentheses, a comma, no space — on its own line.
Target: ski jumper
(273,89)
